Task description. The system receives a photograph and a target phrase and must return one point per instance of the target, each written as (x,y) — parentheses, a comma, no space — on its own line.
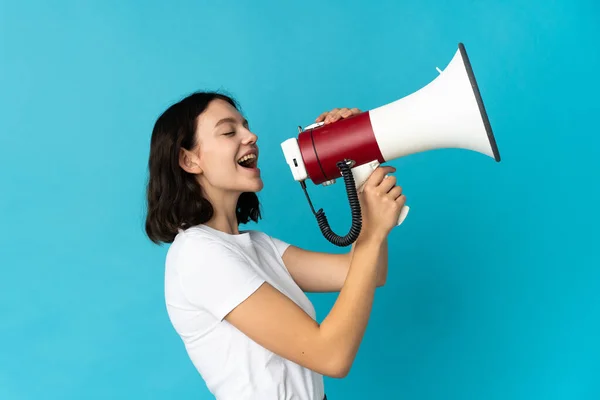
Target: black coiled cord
(356,226)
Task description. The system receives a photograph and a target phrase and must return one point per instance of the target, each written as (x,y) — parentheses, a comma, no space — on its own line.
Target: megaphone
(446,113)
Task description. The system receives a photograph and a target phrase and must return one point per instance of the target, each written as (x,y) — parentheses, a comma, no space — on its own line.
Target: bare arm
(278,324)
(318,272)
(326,272)
(275,322)
(382,263)
(347,320)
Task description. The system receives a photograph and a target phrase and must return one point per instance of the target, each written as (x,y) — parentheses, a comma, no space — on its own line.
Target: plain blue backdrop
(494,278)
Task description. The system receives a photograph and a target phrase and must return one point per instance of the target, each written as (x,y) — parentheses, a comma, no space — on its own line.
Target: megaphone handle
(362,173)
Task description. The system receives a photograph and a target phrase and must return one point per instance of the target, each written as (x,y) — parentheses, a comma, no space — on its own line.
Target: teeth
(246,158)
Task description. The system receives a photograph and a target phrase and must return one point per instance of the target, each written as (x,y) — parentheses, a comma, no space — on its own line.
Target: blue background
(494,281)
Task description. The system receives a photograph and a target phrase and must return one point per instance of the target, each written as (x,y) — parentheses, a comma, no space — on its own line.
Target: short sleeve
(280,245)
(215,277)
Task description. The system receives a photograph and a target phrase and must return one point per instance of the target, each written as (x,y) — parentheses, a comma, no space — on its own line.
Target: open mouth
(248,161)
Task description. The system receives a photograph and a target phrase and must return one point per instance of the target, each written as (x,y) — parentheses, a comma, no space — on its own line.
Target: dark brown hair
(174,196)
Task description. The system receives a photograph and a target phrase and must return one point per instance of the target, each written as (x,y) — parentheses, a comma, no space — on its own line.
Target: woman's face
(226,154)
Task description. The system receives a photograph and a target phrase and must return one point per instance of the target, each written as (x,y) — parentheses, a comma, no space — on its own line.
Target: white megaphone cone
(446,113)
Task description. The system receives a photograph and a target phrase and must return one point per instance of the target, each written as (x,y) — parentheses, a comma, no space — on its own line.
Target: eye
(229,134)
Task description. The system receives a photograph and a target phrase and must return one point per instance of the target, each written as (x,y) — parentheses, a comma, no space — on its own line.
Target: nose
(250,138)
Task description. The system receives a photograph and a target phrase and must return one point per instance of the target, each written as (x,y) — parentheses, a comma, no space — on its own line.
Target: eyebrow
(230,119)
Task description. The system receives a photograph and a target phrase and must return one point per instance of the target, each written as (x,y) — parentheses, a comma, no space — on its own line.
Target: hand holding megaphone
(446,113)
(361,173)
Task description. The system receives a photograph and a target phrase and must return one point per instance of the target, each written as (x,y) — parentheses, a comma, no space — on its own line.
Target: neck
(224,216)
(224,223)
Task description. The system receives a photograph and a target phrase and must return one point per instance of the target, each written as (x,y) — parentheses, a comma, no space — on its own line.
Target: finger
(331,115)
(388,182)
(401,200)
(321,117)
(346,112)
(341,113)
(395,192)
(377,176)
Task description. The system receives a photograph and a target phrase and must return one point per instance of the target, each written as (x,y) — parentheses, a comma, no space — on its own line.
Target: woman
(237,298)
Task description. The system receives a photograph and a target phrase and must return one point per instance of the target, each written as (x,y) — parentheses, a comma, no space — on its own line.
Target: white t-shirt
(208,273)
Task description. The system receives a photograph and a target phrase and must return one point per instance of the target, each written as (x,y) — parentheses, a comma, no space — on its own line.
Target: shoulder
(198,247)
(273,243)
(195,238)
(211,272)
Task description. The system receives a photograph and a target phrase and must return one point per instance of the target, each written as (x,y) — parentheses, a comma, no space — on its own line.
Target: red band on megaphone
(323,147)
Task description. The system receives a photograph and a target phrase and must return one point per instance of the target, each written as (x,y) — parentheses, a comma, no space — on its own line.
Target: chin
(257,187)
(251,180)
(252,187)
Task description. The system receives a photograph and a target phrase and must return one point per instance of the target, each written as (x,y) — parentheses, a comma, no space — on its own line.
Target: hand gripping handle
(361,175)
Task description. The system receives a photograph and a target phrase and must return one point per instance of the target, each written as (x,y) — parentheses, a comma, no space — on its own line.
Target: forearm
(382,264)
(382,261)
(344,326)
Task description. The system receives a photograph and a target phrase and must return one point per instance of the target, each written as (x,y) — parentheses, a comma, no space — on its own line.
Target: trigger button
(316,124)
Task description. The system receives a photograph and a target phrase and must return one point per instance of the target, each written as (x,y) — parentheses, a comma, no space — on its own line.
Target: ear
(189,162)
